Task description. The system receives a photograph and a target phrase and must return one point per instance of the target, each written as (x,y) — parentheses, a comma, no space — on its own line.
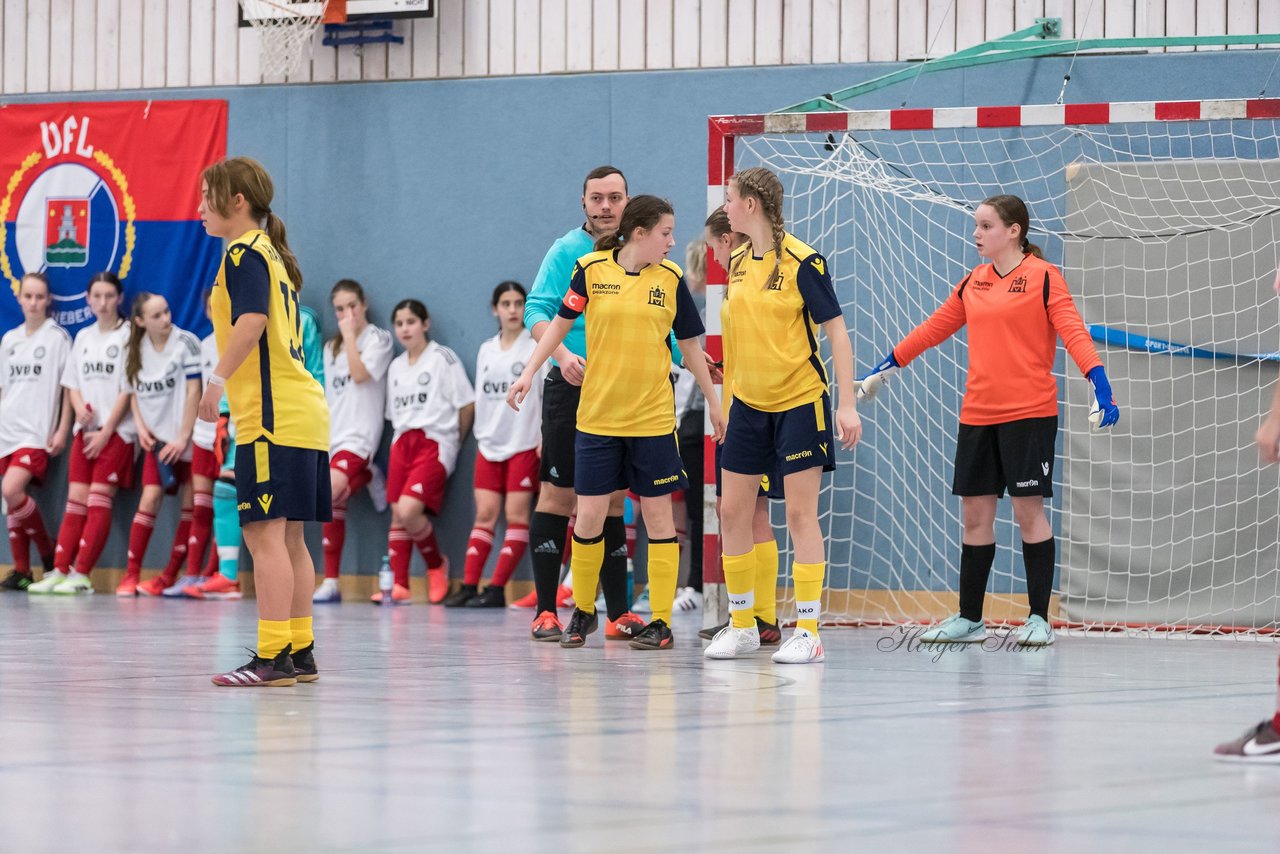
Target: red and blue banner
(108,186)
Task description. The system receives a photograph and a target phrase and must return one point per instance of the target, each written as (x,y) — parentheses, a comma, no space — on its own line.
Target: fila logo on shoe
(1045,467)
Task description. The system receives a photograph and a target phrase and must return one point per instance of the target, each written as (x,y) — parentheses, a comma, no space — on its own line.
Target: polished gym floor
(449,731)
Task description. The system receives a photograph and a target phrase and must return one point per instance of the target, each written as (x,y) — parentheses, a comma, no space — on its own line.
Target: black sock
(613,573)
(1040,560)
(975,569)
(547,533)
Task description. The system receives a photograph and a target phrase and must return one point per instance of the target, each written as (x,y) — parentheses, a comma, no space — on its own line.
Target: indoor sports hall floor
(435,730)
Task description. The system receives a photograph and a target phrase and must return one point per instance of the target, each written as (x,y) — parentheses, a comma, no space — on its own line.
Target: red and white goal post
(1165,220)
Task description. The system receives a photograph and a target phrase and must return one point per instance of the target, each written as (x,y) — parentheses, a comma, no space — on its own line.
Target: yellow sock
(273,636)
(300,629)
(808,579)
(664,567)
(588,557)
(766,555)
(739,578)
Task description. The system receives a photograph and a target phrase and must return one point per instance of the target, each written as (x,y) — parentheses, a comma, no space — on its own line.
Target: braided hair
(764,186)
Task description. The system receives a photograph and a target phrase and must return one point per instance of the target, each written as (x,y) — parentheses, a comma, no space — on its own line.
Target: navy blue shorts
(279,482)
(649,466)
(779,443)
(770,484)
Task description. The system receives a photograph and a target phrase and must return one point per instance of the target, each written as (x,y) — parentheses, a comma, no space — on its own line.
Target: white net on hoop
(285,29)
(1167,233)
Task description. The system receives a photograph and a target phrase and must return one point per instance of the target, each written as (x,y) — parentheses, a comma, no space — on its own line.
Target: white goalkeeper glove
(869,386)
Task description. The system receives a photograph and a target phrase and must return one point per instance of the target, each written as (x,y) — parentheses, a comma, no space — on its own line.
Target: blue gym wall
(441,189)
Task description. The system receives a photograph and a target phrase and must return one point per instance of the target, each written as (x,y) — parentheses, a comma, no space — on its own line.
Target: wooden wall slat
(797,32)
(855,31)
(633,38)
(554,37)
(528,38)
(826,31)
(714,33)
(502,37)
(769,32)
(660,34)
(37,47)
(84,45)
(686,35)
(578,56)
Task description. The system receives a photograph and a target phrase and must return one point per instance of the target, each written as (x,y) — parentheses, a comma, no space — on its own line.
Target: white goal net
(1166,232)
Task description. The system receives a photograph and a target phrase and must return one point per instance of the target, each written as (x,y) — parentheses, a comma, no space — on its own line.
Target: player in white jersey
(355,370)
(34,421)
(507,465)
(431,405)
(162,375)
(102,449)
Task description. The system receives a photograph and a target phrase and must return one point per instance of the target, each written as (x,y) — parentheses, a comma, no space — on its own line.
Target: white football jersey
(30,385)
(500,431)
(96,370)
(356,409)
(427,395)
(206,432)
(161,385)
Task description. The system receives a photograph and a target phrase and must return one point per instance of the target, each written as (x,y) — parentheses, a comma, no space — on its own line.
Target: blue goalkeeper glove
(1104,411)
(869,385)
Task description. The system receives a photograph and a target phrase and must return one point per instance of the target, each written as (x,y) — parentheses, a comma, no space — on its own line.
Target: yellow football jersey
(630,316)
(271,395)
(771,327)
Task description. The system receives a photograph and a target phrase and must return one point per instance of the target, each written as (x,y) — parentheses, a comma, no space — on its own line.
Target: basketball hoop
(285,30)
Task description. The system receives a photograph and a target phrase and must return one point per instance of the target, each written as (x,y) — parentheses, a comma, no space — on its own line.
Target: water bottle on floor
(385,580)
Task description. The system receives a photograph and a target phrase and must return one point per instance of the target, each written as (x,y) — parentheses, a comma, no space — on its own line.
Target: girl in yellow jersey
(722,242)
(779,294)
(633,299)
(280,415)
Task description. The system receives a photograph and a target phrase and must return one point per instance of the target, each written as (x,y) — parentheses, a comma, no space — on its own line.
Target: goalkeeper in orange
(1016,306)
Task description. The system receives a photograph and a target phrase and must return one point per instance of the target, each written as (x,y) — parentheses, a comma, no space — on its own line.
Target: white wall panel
(86,45)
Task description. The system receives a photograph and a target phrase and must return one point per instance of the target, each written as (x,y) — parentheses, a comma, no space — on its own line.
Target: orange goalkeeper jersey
(1014,323)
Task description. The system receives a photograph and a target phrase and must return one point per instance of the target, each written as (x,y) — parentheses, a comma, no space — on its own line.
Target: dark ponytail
(641,212)
(133,349)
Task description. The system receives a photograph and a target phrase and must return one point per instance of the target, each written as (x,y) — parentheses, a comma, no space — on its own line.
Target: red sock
(69,536)
(178,551)
(513,547)
(211,565)
(400,550)
(19,544)
(428,547)
(97,528)
(631,540)
(335,537)
(33,526)
(478,547)
(139,536)
(201,531)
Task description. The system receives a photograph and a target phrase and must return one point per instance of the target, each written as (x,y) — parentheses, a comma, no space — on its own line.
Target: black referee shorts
(559,429)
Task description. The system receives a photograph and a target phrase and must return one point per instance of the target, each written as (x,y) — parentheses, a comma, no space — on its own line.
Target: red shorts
(516,474)
(204,463)
(112,467)
(355,467)
(34,460)
(151,472)
(415,471)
